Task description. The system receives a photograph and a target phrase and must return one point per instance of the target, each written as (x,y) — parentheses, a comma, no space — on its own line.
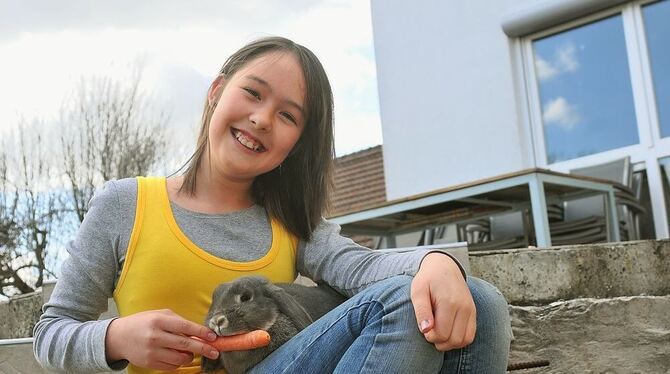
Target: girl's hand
(442,302)
(157,339)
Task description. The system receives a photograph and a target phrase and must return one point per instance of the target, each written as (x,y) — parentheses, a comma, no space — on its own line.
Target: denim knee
(392,293)
(492,308)
(411,347)
(489,351)
(395,289)
(493,320)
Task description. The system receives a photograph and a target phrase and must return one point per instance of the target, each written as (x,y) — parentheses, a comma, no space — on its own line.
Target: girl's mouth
(248,141)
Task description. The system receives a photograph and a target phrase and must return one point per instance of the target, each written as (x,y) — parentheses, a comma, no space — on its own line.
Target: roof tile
(358,181)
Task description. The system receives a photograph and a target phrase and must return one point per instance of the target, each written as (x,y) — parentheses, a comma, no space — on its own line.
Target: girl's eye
(289,117)
(253,93)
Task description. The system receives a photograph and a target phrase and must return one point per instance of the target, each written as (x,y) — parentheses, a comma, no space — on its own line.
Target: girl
(251,201)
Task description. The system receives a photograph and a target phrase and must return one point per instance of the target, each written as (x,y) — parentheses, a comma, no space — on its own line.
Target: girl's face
(258,117)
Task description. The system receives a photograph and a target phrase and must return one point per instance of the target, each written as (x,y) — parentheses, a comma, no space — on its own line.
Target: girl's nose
(261,119)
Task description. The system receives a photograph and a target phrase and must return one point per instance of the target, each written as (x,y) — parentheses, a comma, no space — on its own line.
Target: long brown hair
(296,192)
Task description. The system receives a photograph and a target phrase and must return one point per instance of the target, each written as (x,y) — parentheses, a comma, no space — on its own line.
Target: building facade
(472,89)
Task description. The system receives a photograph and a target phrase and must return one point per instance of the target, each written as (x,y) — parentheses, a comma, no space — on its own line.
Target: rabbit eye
(245,297)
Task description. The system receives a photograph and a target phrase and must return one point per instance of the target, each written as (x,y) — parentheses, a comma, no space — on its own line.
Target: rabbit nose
(219,321)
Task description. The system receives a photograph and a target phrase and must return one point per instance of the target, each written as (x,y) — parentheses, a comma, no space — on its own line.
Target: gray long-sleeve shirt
(68,336)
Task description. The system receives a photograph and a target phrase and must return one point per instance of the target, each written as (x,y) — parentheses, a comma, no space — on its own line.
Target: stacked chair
(572,222)
(584,219)
(498,232)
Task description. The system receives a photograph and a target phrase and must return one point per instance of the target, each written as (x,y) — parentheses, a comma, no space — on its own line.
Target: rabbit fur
(254,303)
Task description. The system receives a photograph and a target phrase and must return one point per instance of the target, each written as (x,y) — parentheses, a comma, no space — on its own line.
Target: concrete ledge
(619,335)
(16,357)
(19,315)
(541,276)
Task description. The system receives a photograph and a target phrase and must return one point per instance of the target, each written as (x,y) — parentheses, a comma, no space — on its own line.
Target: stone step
(614,335)
(542,276)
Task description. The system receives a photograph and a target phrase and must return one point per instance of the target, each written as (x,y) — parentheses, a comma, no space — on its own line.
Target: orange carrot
(241,342)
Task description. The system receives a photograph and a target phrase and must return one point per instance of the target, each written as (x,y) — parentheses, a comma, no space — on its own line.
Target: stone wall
(19,314)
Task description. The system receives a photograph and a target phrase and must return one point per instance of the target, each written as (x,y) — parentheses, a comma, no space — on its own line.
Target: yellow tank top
(164,269)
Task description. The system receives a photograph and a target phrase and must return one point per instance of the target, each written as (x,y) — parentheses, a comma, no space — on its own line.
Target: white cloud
(544,69)
(182,47)
(564,61)
(566,58)
(559,112)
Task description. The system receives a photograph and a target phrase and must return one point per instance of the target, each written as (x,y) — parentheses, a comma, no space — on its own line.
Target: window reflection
(585,90)
(657,30)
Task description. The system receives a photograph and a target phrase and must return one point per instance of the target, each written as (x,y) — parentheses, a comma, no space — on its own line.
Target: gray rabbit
(254,303)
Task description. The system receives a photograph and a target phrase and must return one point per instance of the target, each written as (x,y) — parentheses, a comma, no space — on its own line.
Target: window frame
(651,146)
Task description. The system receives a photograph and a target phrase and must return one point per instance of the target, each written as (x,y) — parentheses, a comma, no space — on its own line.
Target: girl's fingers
(187,344)
(456,339)
(445,318)
(158,339)
(462,334)
(471,331)
(179,325)
(421,301)
(169,359)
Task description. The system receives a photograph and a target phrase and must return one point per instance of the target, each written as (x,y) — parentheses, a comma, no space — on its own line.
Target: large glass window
(585,90)
(657,29)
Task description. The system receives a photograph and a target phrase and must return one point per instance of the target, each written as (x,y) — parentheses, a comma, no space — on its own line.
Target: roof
(358,181)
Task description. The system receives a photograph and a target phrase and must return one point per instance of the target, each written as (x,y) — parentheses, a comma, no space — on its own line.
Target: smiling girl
(251,201)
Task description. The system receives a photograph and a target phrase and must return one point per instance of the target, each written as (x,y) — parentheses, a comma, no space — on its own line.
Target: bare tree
(110,131)
(29,208)
(7,208)
(9,228)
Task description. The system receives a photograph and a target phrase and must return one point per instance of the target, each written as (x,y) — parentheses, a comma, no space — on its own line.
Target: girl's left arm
(443,305)
(349,267)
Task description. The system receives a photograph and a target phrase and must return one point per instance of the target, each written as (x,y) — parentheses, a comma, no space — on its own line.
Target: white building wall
(447,94)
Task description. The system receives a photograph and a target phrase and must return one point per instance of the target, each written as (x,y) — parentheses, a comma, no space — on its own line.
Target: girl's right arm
(69,338)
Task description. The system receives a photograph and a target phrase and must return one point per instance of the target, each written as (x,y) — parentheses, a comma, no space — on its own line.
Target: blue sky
(585,90)
(47,47)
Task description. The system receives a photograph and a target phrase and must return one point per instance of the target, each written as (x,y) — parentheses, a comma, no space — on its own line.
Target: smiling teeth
(247,142)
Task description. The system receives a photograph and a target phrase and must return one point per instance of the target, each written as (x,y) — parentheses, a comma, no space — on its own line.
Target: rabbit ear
(290,307)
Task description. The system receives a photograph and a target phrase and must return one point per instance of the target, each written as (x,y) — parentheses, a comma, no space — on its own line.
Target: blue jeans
(376,331)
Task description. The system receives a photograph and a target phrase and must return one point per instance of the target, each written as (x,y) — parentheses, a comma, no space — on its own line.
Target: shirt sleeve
(349,267)
(69,337)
